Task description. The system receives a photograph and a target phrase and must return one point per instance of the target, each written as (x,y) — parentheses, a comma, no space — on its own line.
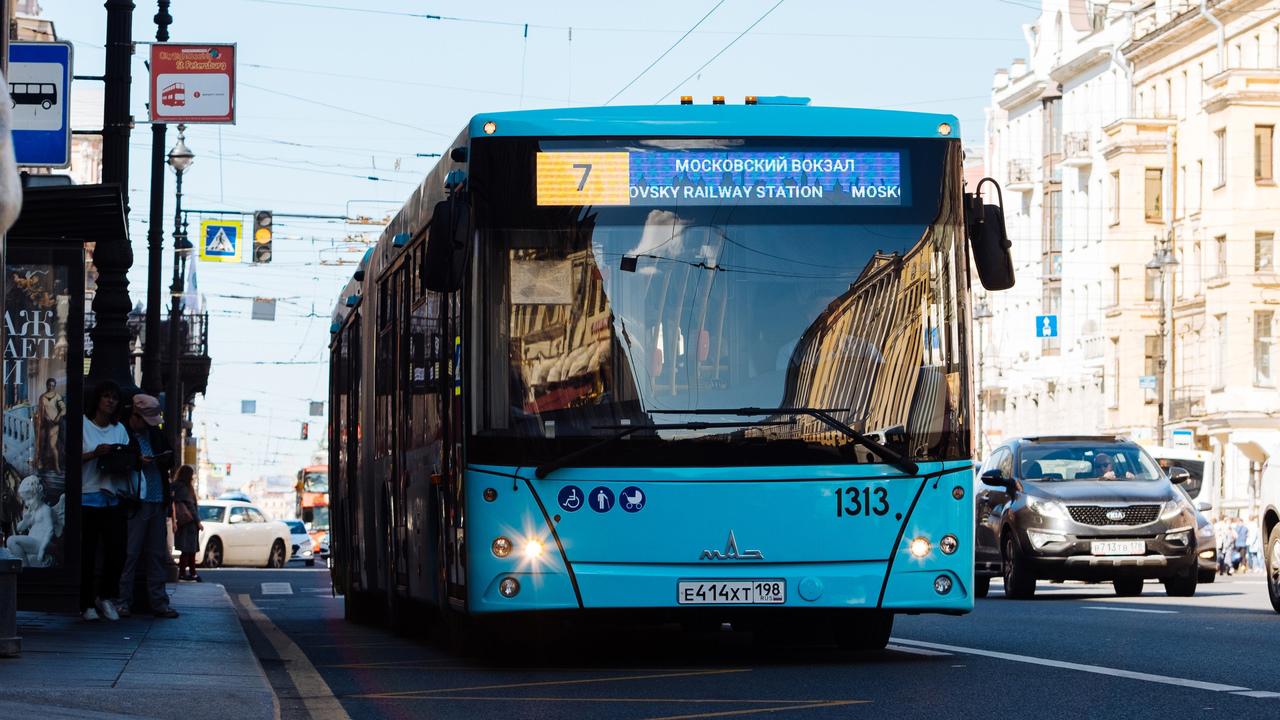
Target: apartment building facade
(1156,124)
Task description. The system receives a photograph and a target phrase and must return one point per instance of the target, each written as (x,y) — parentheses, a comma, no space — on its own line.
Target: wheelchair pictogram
(570,498)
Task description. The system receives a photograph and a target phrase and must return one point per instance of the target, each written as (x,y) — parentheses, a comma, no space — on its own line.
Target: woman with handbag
(104,475)
(186,523)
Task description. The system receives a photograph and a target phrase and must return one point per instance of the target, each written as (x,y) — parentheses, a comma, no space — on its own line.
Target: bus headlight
(501,546)
(920,547)
(948,544)
(509,587)
(533,550)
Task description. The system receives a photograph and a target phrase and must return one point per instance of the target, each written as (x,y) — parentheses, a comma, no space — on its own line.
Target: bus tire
(981,586)
(1019,583)
(1272,563)
(864,632)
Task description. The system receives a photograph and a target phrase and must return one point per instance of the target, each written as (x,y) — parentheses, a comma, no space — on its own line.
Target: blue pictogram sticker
(632,499)
(601,499)
(570,498)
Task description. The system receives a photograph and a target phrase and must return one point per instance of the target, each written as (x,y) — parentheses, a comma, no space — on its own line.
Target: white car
(237,533)
(303,549)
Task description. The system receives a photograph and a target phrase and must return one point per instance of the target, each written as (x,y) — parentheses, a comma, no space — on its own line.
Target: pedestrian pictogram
(600,499)
(220,240)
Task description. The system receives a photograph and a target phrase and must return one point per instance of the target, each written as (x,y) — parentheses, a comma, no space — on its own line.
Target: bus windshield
(723,274)
(315,482)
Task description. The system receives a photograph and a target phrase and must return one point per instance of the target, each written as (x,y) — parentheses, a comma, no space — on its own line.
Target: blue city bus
(687,363)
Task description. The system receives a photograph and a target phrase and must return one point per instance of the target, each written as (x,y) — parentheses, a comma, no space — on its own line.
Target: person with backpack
(149,510)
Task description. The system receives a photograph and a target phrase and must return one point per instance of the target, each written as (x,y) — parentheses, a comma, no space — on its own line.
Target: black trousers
(101,528)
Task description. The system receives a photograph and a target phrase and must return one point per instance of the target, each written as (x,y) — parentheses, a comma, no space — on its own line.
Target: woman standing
(103,517)
(187,526)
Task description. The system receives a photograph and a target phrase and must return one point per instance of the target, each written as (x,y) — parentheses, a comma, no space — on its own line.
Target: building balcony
(1077,150)
(1242,86)
(1021,176)
(1187,402)
(1094,347)
(1137,136)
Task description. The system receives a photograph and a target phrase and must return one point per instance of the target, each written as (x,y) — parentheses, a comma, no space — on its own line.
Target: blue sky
(328,97)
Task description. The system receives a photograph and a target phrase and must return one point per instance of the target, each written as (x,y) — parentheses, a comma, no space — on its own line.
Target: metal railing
(1076,145)
(1020,171)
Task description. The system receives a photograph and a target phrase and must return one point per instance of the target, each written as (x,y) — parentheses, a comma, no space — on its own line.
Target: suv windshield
(1086,461)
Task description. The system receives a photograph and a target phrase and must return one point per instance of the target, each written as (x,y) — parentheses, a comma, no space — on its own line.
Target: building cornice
(1026,89)
(1129,136)
(1078,64)
(1242,86)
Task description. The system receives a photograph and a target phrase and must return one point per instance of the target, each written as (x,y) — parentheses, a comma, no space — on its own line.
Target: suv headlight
(1047,508)
(1173,508)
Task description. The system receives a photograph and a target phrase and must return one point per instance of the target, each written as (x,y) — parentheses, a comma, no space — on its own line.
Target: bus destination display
(720,177)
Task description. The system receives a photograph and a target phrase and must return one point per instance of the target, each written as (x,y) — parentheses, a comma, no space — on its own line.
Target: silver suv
(1082,508)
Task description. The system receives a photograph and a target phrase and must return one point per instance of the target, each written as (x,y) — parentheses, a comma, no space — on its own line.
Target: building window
(1262,137)
(1112,381)
(1264,244)
(1180,199)
(1262,374)
(1151,284)
(1150,362)
(1115,284)
(1115,198)
(1220,244)
(1220,148)
(1154,205)
(1220,354)
(1199,190)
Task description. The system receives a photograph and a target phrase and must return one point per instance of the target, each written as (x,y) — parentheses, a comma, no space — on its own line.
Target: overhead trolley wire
(724,49)
(665,52)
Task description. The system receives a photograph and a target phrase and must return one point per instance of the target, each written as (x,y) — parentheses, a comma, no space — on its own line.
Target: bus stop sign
(39,90)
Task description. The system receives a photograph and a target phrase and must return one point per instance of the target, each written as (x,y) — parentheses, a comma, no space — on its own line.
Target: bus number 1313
(856,501)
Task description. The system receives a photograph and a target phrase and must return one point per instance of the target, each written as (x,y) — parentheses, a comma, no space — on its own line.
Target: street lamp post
(981,314)
(1161,261)
(180,158)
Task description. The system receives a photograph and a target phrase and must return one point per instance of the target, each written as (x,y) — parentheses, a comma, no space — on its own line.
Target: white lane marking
(1258,694)
(1096,669)
(916,651)
(277,588)
(1137,610)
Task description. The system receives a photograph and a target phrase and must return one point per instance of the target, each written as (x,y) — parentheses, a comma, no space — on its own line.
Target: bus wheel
(864,631)
(1273,567)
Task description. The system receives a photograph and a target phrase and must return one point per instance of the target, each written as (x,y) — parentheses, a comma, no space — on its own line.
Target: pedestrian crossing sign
(220,240)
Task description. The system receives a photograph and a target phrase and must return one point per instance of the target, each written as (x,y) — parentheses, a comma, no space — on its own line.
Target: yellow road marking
(690,701)
(755,711)
(546,683)
(312,689)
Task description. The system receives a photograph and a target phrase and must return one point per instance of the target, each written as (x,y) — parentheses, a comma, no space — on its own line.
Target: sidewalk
(193,667)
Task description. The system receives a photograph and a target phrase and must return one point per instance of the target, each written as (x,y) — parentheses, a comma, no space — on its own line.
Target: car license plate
(1118,547)
(731,592)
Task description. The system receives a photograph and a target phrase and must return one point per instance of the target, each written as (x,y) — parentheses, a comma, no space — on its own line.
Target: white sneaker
(90,614)
(107,609)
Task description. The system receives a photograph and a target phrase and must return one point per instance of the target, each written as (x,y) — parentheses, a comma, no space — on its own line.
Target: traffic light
(262,236)
(304,430)
(228,469)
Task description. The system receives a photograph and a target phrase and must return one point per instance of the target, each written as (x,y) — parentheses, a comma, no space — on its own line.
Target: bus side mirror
(988,238)
(1178,475)
(445,261)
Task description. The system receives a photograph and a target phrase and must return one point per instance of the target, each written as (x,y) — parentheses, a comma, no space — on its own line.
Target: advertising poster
(33,482)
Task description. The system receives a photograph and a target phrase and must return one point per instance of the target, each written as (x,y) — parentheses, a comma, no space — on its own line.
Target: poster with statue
(33,482)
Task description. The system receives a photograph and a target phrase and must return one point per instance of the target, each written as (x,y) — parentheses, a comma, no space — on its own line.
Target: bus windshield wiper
(822,415)
(623,431)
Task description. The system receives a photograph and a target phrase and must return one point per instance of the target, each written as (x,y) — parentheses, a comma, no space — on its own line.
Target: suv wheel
(1019,583)
(1128,586)
(981,586)
(1273,567)
(1183,585)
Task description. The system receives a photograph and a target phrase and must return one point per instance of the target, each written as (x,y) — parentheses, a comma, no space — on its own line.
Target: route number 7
(586,173)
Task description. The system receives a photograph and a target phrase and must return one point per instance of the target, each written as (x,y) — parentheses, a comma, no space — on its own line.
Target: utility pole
(155,233)
(111,304)
(1161,261)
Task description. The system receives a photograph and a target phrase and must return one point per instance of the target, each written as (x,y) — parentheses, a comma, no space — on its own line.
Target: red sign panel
(193,83)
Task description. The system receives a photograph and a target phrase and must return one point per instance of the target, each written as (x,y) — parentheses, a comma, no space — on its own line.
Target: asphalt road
(1074,651)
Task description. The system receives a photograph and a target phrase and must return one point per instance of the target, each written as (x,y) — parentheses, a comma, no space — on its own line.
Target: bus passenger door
(453,501)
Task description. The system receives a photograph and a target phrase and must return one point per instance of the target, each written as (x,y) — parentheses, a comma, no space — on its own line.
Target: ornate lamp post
(1161,261)
(981,313)
(180,158)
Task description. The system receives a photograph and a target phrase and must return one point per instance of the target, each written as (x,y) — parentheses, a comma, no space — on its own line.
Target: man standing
(147,541)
